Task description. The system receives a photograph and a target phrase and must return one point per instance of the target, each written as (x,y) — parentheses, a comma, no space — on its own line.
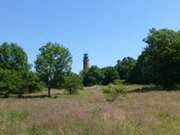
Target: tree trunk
(70,91)
(49,91)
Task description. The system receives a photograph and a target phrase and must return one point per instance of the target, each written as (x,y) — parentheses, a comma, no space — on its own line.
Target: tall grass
(88,113)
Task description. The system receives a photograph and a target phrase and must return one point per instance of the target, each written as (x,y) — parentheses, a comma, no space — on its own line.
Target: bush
(108,89)
(119,89)
(117,82)
(72,83)
(113,91)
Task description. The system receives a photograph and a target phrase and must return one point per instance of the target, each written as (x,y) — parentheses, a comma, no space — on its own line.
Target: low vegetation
(89,113)
(114,91)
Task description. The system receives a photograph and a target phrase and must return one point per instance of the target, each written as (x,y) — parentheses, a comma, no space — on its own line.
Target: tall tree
(142,71)
(109,75)
(13,57)
(125,66)
(14,68)
(92,76)
(53,61)
(11,82)
(165,47)
(160,61)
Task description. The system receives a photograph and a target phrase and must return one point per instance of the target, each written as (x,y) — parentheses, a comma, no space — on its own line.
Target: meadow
(89,113)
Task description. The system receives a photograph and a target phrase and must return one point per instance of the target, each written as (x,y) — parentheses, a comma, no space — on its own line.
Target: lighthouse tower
(85,61)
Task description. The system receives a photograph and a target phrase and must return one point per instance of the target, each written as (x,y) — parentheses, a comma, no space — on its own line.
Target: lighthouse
(85,61)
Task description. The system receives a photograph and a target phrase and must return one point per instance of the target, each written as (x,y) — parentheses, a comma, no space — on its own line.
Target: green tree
(160,61)
(92,76)
(142,72)
(164,45)
(53,61)
(125,66)
(72,83)
(33,82)
(14,68)
(109,75)
(12,82)
(13,57)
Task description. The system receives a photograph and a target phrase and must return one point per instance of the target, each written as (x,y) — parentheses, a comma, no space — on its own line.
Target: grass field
(89,113)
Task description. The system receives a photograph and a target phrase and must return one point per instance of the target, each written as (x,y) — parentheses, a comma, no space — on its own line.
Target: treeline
(107,75)
(159,64)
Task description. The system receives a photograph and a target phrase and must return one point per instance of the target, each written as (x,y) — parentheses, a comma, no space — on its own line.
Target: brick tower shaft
(86,61)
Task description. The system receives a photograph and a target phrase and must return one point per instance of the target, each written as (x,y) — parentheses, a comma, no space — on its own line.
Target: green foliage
(13,57)
(160,61)
(11,82)
(125,67)
(14,82)
(92,76)
(117,82)
(142,72)
(72,83)
(15,71)
(120,88)
(53,61)
(33,82)
(109,75)
(97,76)
(114,91)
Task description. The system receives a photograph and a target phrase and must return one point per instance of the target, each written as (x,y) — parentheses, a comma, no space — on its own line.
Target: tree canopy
(13,57)
(125,66)
(109,75)
(92,76)
(15,70)
(159,63)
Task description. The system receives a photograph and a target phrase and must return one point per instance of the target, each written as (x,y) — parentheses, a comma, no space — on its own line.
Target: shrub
(108,89)
(72,83)
(117,82)
(120,88)
(114,91)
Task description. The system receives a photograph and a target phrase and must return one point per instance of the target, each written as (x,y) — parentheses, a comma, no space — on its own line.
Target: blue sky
(107,29)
